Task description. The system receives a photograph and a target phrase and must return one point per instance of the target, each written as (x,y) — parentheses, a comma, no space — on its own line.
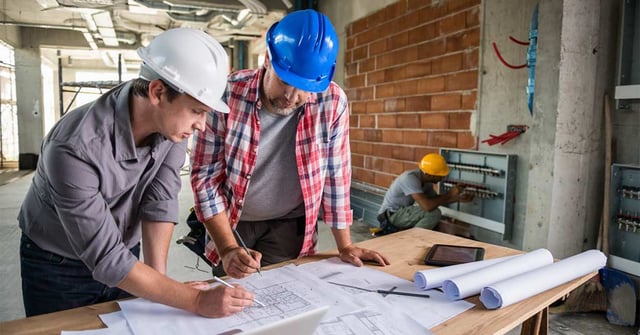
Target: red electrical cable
(514,40)
(504,62)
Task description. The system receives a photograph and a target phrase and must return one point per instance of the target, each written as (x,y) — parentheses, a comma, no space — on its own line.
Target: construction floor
(183,264)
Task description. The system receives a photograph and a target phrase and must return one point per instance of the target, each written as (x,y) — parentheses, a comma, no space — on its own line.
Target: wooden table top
(405,250)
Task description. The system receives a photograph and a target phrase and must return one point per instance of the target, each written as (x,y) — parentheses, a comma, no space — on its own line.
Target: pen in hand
(244,246)
(219,280)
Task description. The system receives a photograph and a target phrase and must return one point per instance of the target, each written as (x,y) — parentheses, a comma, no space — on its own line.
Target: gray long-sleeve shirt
(93,187)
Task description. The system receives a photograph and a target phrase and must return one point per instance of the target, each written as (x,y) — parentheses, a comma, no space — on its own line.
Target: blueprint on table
(290,290)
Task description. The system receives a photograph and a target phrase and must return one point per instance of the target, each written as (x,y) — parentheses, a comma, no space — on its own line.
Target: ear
(156,89)
(267,61)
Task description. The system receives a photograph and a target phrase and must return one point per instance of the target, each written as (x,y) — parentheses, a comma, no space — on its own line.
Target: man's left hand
(356,256)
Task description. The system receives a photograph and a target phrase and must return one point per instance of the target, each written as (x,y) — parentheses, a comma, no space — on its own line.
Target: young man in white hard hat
(109,176)
(281,154)
(411,200)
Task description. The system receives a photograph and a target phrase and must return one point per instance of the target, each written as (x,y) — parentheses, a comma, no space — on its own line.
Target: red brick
(392,166)
(379,47)
(363,175)
(383,180)
(434,121)
(466,140)
(447,139)
(356,134)
(356,81)
(430,85)
(469,100)
(394,105)
(367,36)
(360,53)
(385,91)
(470,59)
(376,106)
(402,152)
(398,41)
(357,160)
(351,41)
(473,17)
(452,23)
(395,73)
(363,148)
(432,49)
(446,64)
(421,34)
(419,69)
(367,121)
(392,136)
(373,163)
(418,103)
(354,121)
(358,26)
(397,57)
(373,135)
(460,120)
(358,107)
(350,69)
(387,121)
(432,12)
(408,121)
(462,81)
(457,5)
(406,22)
(383,150)
(445,102)
(367,65)
(397,9)
(415,137)
(409,87)
(376,77)
(464,40)
(415,4)
(359,94)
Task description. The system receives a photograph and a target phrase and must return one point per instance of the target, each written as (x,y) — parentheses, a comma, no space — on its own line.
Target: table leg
(537,324)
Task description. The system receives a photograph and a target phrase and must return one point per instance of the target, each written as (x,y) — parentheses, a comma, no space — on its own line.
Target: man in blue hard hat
(280,155)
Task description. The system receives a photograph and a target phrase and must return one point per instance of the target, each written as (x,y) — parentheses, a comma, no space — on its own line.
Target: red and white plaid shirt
(224,157)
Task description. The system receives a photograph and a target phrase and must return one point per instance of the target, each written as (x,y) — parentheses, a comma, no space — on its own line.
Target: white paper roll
(432,278)
(471,283)
(523,286)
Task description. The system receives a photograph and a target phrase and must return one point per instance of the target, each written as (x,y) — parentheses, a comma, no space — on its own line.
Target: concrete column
(28,95)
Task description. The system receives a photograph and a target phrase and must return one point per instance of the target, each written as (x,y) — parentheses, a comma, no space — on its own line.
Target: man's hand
(458,194)
(238,264)
(222,301)
(356,256)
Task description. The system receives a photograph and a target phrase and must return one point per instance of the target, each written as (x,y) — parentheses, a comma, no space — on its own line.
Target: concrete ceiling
(108,28)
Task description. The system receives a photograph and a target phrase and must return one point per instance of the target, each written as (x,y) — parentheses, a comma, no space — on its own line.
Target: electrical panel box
(628,81)
(491,178)
(624,228)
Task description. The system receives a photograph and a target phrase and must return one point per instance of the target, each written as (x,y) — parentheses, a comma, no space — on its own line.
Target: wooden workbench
(406,251)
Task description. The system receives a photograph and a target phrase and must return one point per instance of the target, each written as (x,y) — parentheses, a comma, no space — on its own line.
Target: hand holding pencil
(240,261)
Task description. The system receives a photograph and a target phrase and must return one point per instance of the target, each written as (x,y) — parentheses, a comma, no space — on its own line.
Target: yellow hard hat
(435,165)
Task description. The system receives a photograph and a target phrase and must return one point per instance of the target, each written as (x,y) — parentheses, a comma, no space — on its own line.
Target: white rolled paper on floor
(432,278)
(523,286)
(471,283)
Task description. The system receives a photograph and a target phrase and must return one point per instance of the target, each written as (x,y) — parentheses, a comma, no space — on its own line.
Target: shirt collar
(124,147)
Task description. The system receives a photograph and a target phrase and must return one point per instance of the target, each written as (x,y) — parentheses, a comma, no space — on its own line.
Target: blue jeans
(52,283)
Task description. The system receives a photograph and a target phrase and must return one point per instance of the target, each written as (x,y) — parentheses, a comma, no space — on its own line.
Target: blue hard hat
(303,48)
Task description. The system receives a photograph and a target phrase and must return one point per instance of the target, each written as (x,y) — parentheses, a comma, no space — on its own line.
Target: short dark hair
(140,88)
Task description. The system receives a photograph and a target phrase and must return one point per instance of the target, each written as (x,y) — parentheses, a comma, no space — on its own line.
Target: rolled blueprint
(471,283)
(523,286)
(432,278)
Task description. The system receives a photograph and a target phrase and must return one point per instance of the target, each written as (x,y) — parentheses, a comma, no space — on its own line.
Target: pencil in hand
(244,246)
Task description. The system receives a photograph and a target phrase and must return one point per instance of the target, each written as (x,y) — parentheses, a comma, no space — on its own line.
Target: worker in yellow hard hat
(411,200)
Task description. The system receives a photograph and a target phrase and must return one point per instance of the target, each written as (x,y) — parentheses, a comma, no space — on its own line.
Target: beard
(279,110)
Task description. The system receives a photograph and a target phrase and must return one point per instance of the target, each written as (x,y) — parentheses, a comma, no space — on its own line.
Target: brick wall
(411,75)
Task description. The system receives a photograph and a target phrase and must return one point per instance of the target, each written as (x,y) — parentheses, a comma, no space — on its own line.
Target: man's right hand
(238,264)
(222,301)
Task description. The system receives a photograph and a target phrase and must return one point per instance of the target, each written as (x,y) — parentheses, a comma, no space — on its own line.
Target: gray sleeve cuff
(115,266)
(160,210)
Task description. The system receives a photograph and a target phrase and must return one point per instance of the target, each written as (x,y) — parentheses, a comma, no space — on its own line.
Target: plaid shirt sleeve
(336,207)
(208,168)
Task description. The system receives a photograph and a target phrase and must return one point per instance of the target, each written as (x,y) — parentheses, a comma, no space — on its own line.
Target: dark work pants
(278,240)
(52,283)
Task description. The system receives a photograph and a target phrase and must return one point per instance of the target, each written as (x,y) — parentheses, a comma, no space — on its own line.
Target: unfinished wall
(411,73)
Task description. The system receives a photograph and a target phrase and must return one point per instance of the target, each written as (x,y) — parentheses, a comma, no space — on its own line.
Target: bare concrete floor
(184,265)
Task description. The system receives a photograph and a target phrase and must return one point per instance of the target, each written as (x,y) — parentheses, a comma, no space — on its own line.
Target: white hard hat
(191,61)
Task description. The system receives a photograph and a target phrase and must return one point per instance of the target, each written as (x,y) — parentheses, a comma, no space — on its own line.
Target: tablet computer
(445,254)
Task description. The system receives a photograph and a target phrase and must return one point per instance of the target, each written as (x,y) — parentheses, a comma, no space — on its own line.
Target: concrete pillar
(28,95)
